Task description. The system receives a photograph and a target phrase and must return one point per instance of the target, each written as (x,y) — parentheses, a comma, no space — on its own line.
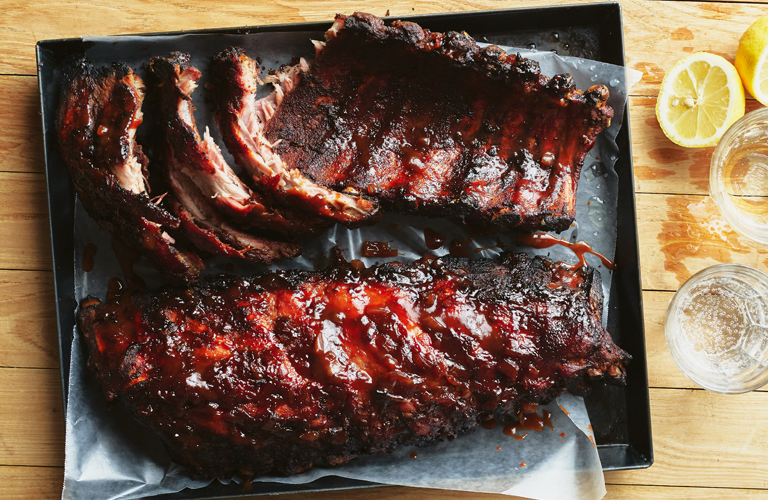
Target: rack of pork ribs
(295,368)
(279,372)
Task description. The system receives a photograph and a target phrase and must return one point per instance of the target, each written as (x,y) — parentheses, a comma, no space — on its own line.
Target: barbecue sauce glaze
(279,371)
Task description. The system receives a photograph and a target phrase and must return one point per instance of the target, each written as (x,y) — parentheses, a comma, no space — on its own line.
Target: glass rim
(746,380)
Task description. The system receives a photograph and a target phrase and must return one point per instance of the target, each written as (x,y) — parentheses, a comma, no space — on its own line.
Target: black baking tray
(620,415)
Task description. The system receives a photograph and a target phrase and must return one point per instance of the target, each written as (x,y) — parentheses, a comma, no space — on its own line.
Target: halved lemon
(752,59)
(700,97)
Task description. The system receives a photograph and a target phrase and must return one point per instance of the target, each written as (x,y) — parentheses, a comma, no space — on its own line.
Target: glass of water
(738,175)
(717,328)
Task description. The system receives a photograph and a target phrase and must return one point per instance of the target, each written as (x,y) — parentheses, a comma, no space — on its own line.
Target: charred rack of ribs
(279,372)
(96,127)
(427,123)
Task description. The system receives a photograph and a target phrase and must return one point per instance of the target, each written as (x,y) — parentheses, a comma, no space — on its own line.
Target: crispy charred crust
(278,372)
(234,81)
(98,109)
(209,219)
(461,50)
(226,97)
(430,123)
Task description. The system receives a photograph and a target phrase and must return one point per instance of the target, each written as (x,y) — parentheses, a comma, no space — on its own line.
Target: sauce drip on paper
(127,257)
(433,239)
(378,249)
(580,248)
(526,420)
(460,248)
(88,252)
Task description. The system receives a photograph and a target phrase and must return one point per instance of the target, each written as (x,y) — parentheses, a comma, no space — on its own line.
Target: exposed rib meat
(116,130)
(96,126)
(283,371)
(209,231)
(204,184)
(241,119)
(428,123)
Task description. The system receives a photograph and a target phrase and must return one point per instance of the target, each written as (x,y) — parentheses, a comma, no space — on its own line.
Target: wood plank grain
(28,331)
(662,371)
(660,165)
(22,26)
(21,143)
(44,483)
(657,34)
(24,222)
(31,420)
(631,492)
(25,483)
(705,439)
(683,234)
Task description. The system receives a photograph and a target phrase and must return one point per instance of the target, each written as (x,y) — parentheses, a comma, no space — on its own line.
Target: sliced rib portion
(242,118)
(204,185)
(432,124)
(96,126)
(279,372)
(208,230)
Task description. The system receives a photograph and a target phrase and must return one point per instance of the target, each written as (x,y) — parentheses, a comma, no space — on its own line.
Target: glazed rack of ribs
(427,123)
(278,372)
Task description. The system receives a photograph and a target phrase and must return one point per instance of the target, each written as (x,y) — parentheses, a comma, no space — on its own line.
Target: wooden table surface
(717,447)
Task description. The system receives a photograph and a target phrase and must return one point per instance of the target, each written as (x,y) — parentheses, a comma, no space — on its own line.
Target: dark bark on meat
(98,117)
(432,124)
(279,372)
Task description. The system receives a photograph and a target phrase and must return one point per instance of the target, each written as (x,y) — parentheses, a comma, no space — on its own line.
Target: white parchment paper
(111,456)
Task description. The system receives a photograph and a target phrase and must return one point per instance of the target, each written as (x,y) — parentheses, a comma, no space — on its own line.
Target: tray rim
(599,7)
(66,305)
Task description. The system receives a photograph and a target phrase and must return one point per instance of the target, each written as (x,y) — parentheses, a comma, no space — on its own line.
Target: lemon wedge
(752,59)
(700,97)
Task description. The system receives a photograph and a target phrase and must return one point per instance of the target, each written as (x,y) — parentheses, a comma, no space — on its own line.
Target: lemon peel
(752,59)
